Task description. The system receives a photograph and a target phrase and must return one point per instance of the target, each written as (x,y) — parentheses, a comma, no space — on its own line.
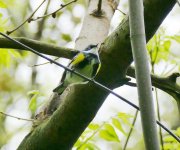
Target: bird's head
(91,49)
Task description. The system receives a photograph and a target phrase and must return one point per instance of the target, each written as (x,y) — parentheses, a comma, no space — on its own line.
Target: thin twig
(178,2)
(53,14)
(87,79)
(4,114)
(159,118)
(37,65)
(91,136)
(121,11)
(164,69)
(131,129)
(99,7)
(27,20)
(131,84)
(169,71)
(96,131)
(157,41)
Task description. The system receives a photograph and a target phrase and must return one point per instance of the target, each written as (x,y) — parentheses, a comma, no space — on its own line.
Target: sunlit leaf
(109,133)
(15,53)
(93,126)
(2,4)
(118,125)
(178,131)
(4,58)
(166,45)
(168,146)
(3,24)
(33,103)
(125,118)
(33,92)
(78,143)
(175,37)
(170,143)
(66,37)
(89,146)
(169,139)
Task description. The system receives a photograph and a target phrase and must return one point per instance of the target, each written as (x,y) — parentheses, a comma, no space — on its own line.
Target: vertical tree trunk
(138,44)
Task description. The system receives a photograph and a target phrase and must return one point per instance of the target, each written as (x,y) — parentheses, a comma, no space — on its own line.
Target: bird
(86,62)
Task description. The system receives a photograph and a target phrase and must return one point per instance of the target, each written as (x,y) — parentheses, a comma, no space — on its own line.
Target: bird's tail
(59,89)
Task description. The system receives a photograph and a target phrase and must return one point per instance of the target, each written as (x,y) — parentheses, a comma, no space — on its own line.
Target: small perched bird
(86,62)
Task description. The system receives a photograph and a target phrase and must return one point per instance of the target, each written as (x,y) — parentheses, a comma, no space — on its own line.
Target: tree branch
(167,84)
(53,14)
(41,47)
(79,108)
(28,19)
(162,83)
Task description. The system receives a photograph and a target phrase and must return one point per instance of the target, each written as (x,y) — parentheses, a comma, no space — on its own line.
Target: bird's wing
(96,67)
(77,59)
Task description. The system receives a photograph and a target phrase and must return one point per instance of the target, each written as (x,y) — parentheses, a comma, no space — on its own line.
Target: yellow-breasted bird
(86,62)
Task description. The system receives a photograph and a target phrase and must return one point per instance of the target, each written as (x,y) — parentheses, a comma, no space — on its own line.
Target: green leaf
(109,133)
(33,92)
(93,126)
(33,103)
(5,58)
(178,131)
(89,146)
(78,143)
(2,4)
(159,47)
(166,45)
(168,146)
(124,117)
(15,53)
(169,139)
(176,38)
(66,37)
(118,125)
(3,24)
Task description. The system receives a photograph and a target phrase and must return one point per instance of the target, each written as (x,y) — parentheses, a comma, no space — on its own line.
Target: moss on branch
(41,47)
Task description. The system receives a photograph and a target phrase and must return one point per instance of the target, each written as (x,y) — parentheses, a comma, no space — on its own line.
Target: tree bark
(144,86)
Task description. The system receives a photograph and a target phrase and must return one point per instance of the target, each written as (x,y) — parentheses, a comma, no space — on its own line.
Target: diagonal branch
(159,82)
(87,79)
(167,84)
(28,19)
(42,47)
(79,108)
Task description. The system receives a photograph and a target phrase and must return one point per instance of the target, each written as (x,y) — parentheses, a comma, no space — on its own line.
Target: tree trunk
(82,101)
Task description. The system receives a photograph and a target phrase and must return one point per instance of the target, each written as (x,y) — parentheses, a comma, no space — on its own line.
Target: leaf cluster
(108,131)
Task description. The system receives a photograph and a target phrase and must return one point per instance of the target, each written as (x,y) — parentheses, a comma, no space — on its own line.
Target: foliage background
(23,88)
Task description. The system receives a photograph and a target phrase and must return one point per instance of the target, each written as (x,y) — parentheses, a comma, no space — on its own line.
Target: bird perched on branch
(86,62)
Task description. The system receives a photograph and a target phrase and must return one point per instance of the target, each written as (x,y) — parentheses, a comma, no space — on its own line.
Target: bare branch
(121,11)
(53,14)
(27,20)
(68,53)
(131,130)
(167,84)
(19,118)
(42,47)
